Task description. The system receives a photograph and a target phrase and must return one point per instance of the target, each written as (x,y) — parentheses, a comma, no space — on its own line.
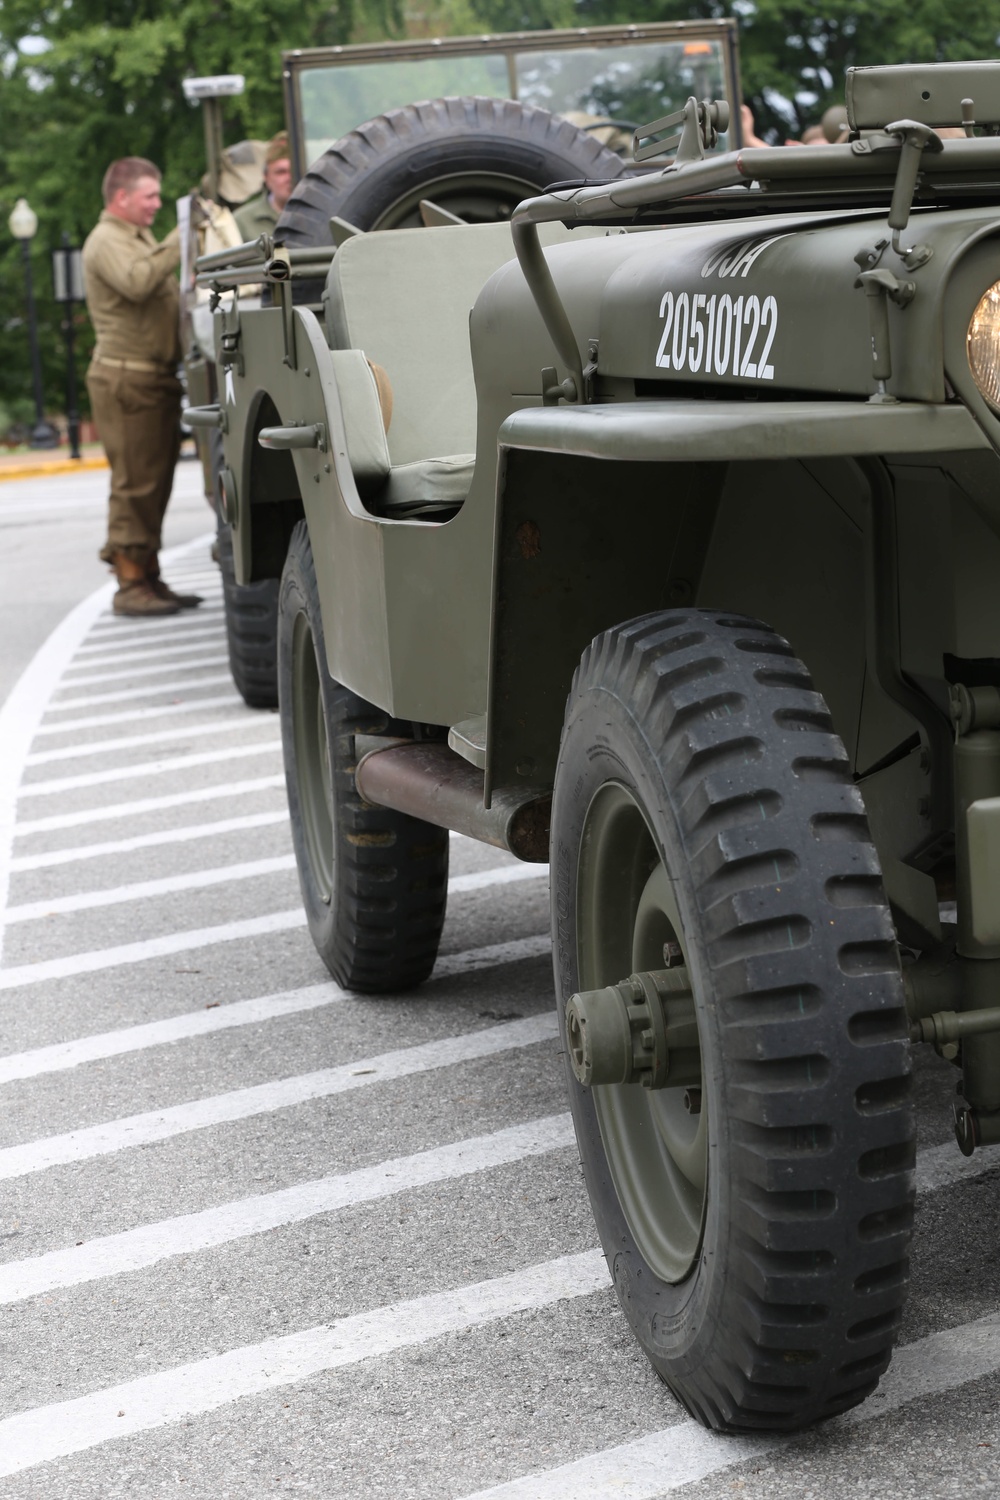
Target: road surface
(263,1237)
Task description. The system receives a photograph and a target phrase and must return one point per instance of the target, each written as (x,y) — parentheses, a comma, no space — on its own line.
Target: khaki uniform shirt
(132,295)
(256,217)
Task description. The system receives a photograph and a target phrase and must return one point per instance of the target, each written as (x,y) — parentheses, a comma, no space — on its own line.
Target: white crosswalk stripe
(148,768)
(146,841)
(661,1462)
(123,632)
(127,716)
(114,1255)
(58,822)
(124,955)
(71,1054)
(211,658)
(36,1437)
(139,691)
(177,632)
(134,741)
(265,1098)
(142,890)
(195,645)
(196,880)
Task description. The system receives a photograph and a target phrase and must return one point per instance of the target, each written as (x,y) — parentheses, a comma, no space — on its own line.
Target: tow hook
(642,1030)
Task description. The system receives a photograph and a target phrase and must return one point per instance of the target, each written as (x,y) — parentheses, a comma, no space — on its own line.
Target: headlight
(984,345)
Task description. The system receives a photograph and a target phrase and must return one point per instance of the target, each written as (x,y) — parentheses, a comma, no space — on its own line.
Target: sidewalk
(29,463)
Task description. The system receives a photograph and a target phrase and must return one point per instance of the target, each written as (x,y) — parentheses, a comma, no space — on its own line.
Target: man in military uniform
(259,215)
(133,300)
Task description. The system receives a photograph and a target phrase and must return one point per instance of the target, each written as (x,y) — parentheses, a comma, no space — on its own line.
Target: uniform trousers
(137,413)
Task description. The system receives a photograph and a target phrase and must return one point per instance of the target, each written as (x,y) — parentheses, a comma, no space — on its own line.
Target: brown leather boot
(135,596)
(164,591)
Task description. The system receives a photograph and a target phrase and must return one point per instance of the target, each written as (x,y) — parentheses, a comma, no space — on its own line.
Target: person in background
(750,136)
(259,215)
(133,298)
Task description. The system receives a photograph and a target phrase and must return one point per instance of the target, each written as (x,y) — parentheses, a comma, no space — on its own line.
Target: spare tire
(476,157)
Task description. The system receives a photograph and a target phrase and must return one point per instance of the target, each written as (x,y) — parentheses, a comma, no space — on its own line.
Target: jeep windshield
(621,76)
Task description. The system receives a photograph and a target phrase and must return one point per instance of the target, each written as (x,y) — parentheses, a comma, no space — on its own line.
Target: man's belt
(149,366)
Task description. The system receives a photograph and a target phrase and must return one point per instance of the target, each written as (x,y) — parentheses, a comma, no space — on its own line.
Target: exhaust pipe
(426,779)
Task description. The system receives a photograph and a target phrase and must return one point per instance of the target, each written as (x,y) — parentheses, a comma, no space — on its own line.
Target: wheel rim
(657,1151)
(312,758)
(476,197)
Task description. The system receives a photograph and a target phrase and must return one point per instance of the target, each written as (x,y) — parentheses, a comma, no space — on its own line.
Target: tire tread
(789,882)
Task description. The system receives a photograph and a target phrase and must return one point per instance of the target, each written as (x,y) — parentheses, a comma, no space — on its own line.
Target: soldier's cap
(277,148)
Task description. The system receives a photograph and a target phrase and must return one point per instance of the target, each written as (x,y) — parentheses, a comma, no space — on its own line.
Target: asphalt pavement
(261,1236)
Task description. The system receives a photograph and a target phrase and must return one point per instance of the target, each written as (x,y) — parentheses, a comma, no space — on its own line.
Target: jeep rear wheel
(755,1202)
(251,611)
(374,882)
(476,157)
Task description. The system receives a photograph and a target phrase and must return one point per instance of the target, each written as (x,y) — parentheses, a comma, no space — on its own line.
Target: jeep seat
(403,297)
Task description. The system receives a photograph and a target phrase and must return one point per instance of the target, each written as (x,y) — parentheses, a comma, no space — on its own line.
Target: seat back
(404,296)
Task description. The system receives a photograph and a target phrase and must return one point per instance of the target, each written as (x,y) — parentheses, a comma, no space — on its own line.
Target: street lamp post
(67,287)
(23,223)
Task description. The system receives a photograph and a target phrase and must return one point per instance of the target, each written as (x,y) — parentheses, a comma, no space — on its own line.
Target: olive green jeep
(666,549)
(365,157)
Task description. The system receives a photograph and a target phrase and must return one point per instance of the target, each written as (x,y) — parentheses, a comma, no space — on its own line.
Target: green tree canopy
(99,79)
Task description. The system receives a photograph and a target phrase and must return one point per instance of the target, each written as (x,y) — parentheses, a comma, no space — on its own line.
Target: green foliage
(99,79)
(794,55)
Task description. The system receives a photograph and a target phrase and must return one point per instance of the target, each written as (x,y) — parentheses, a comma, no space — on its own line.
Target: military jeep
(365,157)
(665,549)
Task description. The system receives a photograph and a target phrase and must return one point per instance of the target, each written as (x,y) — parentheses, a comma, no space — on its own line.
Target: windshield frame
(297,63)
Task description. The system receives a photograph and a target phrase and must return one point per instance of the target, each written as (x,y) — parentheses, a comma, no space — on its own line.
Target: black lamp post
(67,289)
(23,223)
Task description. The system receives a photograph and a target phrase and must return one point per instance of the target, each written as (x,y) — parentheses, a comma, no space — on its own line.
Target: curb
(50,466)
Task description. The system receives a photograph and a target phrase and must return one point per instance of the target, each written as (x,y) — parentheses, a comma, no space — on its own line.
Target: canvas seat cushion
(424,484)
(427,485)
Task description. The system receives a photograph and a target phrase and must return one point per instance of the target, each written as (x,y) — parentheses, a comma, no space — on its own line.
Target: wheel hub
(642,1030)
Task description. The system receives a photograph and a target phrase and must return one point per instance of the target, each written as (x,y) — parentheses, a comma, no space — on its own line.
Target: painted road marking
(148,768)
(282,1093)
(50,1432)
(71,1054)
(20,975)
(194,880)
(144,841)
(142,890)
(30,698)
(59,821)
(129,695)
(161,645)
(134,741)
(187,1234)
(127,716)
(127,672)
(685,1453)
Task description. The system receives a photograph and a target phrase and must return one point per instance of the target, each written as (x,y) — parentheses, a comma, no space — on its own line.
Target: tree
(794,56)
(98,79)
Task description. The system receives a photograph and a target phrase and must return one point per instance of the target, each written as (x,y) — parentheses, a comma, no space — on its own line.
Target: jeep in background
(672,560)
(370,159)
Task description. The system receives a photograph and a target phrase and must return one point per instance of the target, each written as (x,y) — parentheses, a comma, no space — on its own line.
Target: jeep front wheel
(732,1008)
(374,882)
